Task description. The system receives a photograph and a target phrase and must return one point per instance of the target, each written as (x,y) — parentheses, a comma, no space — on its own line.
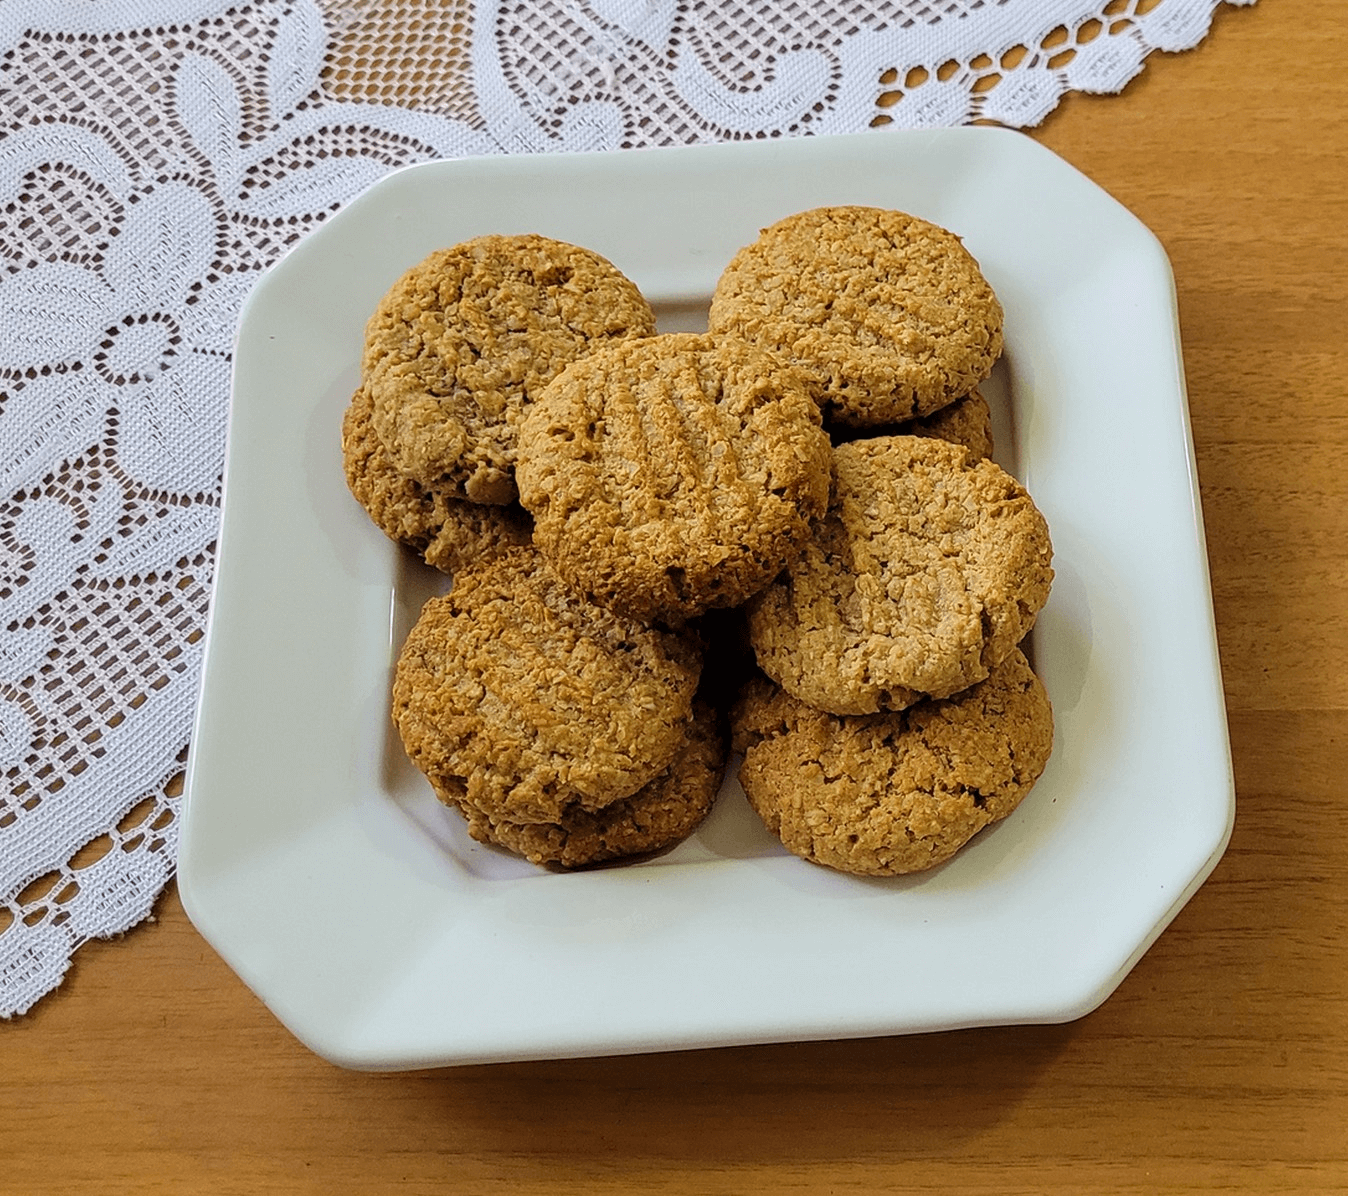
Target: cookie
(886,794)
(889,315)
(927,571)
(530,700)
(446,532)
(662,813)
(966,421)
(466,339)
(673,474)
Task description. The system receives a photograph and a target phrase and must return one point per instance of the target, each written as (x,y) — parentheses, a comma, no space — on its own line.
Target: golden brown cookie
(466,339)
(662,813)
(927,571)
(530,700)
(673,474)
(446,532)
(966,421)
(885,794)
(889,315)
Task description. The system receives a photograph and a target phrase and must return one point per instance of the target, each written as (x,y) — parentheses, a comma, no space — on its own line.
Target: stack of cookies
(818,462)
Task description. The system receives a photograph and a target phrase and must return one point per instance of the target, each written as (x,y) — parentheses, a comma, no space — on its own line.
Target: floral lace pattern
(157,155)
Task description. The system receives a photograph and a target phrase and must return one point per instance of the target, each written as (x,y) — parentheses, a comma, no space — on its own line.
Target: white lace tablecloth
(157,155)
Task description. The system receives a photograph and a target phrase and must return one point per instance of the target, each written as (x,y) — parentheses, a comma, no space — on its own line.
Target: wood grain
(1222,1061)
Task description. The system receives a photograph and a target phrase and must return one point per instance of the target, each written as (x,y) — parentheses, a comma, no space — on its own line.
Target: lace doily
(157,155)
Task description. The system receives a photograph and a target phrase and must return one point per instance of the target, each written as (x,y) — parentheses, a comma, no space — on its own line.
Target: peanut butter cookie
(466,339)
(966,421)
(927,571)
(529,700)
(889,315)
(673,474)
(446,532)
(660,814)
(885,794)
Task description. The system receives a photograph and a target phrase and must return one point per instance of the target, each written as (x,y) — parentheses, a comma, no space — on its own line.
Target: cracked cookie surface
(673,474)
(526,699)
(898,792)
(464,340)
(927,571)
(889,315)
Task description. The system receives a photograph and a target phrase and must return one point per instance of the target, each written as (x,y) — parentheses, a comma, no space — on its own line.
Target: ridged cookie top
(673,474)
(446,532)
(529,699)
(926,572)
(465,339)
(886,794)
(888,314)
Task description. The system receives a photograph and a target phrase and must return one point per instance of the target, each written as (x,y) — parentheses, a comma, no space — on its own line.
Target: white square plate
(316,861)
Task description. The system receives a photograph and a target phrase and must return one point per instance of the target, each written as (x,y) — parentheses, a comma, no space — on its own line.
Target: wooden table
(1221,1062)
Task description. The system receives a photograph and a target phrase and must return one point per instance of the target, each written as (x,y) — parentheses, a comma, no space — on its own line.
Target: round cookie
(663,812)
(465,340)
(529,699)
(446,532)
(886,794)
(888,314)
(927,571)
(673,474)
(966,421)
